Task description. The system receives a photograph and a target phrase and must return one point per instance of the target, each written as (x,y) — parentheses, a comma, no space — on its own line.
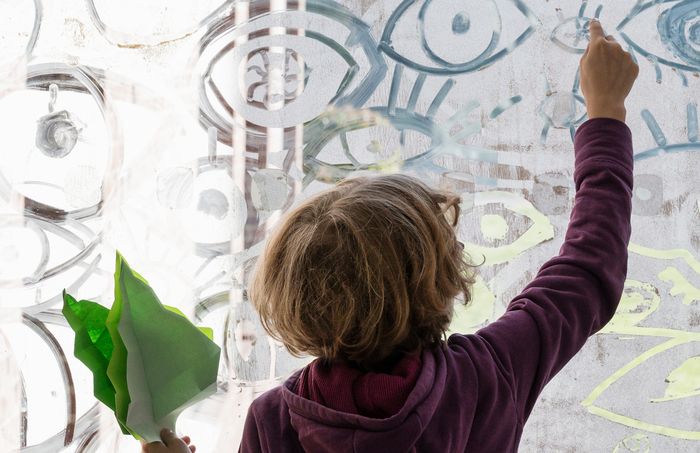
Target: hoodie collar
(345,388)
(316,423)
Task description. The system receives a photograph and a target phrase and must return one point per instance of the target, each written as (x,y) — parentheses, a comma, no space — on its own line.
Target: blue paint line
(415,92)
(394,91)
(598,10)
(440,97)
(654,128)
(692,122)
(505,105)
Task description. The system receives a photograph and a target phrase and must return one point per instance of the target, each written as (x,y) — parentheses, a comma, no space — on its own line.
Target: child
(363,276)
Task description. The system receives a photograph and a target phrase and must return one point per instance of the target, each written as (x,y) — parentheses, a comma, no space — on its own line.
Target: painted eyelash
(406,118)
(662,146)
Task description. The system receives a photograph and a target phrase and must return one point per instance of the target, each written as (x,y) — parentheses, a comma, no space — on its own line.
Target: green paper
(149,362)
(93,345)
(208,331)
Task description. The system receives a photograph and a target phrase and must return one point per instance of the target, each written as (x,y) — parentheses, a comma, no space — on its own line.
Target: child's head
(363,270)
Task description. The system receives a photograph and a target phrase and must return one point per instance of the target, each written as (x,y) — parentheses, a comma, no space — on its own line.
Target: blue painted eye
(392,138)
(678,30)
(261,74)
(456,37)
(572,33)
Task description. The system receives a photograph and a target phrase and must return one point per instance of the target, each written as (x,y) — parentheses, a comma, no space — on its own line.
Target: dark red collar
(345,388)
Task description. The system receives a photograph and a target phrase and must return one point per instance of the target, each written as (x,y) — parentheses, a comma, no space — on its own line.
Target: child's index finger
(595,29)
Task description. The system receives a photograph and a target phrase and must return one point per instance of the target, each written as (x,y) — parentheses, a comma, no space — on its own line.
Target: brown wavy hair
(363,271)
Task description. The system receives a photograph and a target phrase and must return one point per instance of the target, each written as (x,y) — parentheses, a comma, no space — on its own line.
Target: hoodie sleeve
(575,293)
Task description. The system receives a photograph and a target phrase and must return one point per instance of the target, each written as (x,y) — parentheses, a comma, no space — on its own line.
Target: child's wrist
(617,112)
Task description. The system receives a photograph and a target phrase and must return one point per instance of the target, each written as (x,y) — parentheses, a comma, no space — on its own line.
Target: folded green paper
(149,362)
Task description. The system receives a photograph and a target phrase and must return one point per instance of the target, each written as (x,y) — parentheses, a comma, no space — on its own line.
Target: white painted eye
(268,67)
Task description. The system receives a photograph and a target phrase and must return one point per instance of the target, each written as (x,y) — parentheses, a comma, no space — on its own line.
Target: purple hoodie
(475,393)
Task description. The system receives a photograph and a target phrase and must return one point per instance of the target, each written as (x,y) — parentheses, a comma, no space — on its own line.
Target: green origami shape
(149,362)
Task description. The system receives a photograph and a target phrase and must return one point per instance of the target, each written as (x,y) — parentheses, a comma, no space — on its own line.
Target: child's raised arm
(576,293)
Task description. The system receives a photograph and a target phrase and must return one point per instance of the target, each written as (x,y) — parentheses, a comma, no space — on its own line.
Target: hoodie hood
(322,428)
(345,388)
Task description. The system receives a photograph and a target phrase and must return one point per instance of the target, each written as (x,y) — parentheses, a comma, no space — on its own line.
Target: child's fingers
(595,30)
(153,447)
(168,437)
(186,439)
(193,448)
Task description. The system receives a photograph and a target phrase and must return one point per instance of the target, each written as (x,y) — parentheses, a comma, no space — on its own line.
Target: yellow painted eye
(669,373)
(509,216)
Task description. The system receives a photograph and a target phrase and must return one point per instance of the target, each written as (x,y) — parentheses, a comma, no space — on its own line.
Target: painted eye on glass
(344,141)
(134,24)
(501,226)
(669,371)
(212,208)
(383,138)
(677,44)
(39,258)
(396,137)
(260,74)
(456,37)
(65,142)
(572,33)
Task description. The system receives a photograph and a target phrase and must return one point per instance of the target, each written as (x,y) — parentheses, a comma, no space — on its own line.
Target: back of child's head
(363,271)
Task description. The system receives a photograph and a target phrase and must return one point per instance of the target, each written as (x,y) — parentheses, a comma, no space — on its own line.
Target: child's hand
(170,444)
(607,75)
